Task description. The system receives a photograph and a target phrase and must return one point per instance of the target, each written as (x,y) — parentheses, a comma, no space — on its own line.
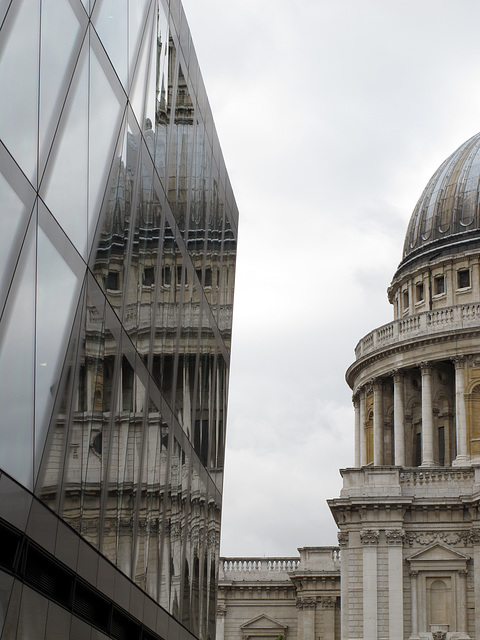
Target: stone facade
(271,598)
(408,564)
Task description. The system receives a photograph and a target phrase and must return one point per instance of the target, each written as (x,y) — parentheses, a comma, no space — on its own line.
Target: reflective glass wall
(117,264)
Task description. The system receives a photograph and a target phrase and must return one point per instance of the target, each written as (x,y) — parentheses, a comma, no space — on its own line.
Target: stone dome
(447,214)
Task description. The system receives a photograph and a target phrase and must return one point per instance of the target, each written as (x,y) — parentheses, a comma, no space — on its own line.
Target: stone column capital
(306,602)
(458,361)
(369,536)
(327,602)
(426,368)
(395,536)
(342,538)
(414,573)
(221,611)
(398,375)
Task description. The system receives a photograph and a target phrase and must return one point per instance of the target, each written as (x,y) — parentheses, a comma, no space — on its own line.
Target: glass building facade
(117,263)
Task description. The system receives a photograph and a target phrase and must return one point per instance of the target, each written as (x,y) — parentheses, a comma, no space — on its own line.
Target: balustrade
(428,322)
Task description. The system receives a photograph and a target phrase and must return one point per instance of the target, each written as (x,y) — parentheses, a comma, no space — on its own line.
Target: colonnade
(399,417)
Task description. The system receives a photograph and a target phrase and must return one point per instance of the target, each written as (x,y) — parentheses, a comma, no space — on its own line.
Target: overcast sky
(332,116)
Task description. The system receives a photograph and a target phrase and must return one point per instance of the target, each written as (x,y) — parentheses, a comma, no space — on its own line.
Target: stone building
(408,512)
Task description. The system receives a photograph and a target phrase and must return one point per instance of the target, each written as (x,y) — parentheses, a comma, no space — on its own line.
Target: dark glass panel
(10,623)
(42,526)
(6,585)
(19,51)
(15,503)
(58,623)
(17,331)
(33,615)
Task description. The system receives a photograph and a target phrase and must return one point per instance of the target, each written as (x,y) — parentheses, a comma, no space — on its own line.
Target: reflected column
(427,415)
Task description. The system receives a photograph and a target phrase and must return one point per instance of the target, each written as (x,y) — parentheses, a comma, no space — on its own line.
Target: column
(221,613)
(414,592)
(475,540)
(462,601)
(306,617)
(378,423)
(460,413)
(356,407)
(344,622)
(369,539)
(328,605)
(427,415)
(399,417)
(394,539)
(363,437)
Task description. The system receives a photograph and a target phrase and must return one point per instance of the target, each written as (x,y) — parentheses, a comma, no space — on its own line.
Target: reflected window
(208,277)
(112,281)
(463,278)
(97,443)
(148,276)
(439,285)
(166,276)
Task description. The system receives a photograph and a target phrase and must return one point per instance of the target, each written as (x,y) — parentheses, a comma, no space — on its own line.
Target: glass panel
(57,294)
(64,187)
(137,10)
(13,219)
(141,74)
(104,124)
(60,44)
(110,19)
(19,48)
(17,330)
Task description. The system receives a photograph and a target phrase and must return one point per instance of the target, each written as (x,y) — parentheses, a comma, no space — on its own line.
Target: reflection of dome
(448,210)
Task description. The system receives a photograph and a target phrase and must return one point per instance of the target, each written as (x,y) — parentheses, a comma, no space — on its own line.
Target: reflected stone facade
(408,513)
(117,266)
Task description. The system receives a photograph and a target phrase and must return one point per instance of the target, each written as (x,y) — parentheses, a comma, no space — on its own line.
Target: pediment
(438,552)
(264,623)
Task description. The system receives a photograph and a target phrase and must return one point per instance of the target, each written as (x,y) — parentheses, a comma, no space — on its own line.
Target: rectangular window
(441,446)
(405,300)
(439,285)
(419,292)
(463,278)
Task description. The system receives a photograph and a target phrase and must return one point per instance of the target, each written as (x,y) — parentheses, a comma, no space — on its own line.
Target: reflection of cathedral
(408,513)
(117,265)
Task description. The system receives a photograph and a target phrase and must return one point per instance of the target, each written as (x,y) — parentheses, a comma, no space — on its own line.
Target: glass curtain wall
(117,264)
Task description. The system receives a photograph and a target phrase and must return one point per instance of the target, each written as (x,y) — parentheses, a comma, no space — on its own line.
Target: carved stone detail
(327,602)
(221,611)
(306,602)
(395,536)
(369,536)
(342,538)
